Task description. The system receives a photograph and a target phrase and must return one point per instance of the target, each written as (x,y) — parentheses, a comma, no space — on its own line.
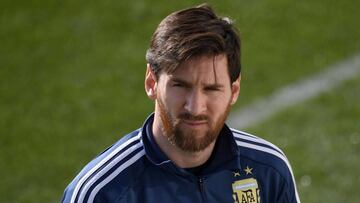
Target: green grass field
(322,139)
(71,84)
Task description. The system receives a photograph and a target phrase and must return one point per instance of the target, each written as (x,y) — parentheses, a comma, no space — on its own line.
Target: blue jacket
(242,168)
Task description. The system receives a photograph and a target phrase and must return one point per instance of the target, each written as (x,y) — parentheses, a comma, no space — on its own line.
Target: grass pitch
(325,146)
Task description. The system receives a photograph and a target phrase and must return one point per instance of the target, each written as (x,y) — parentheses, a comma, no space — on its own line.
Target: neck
(181,158)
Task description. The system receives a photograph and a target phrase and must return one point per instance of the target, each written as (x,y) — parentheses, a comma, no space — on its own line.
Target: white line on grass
(296,93)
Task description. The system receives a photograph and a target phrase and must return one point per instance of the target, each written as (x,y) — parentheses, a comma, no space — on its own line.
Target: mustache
(188,116)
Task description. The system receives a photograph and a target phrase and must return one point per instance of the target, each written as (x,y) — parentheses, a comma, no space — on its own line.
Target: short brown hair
(193,32)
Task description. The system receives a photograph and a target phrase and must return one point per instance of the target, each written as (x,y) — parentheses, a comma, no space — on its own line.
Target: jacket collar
(225,156)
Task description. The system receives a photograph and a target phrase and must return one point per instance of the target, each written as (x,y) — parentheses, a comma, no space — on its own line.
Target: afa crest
(246,191)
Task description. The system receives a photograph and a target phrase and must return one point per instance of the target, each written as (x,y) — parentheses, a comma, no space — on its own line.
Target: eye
(212,88)
(178,85)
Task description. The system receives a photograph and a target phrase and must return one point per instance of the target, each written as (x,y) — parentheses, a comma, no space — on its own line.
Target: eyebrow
(187,84)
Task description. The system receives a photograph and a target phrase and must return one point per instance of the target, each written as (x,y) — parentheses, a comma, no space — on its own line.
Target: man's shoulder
(262,152)
(115,165)
(268,162)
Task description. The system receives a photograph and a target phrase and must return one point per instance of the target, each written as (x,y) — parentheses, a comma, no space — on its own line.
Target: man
(184,152)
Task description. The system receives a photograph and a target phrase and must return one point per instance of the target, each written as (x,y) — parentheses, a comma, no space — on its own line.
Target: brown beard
(186,139)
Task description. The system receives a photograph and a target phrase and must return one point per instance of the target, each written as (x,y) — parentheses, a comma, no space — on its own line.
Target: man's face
(194,101)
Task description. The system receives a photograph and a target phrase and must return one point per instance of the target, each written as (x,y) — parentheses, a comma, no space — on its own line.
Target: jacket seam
(268,165)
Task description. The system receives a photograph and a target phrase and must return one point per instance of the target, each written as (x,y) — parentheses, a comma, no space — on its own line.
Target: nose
(195,103)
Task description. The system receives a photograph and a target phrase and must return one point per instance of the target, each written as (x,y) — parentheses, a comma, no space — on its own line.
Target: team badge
(246,191)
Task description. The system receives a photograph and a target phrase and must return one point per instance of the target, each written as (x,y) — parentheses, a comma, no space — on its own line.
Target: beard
(185,138)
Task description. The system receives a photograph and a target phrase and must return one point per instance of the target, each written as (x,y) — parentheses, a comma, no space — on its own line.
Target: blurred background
(71,84)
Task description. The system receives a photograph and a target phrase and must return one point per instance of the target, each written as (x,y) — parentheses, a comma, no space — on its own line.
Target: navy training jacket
(242,169)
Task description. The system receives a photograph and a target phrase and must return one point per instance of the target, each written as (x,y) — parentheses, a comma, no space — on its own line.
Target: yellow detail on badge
(246,191)
(248,170)
(236,174)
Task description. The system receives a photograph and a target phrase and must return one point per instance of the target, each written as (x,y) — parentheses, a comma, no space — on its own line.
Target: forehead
(204,69)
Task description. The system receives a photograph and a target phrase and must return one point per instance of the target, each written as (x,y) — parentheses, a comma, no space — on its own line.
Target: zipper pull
(201,188)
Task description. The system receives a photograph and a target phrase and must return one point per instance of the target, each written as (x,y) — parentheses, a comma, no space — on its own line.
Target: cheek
(219,104)
(174,100)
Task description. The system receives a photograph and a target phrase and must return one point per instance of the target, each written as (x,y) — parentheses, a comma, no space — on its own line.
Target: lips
(195,122)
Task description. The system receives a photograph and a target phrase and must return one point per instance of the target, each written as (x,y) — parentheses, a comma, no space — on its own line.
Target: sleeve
(289,192)
(288,196)
(68,193)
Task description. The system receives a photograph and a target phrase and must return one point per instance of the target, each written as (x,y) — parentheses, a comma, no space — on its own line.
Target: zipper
(201,188)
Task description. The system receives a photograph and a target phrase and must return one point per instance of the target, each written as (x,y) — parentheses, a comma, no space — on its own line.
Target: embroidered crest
(246,191)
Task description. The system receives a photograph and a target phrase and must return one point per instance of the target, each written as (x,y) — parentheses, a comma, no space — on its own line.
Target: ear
(150,83)
(235,90)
